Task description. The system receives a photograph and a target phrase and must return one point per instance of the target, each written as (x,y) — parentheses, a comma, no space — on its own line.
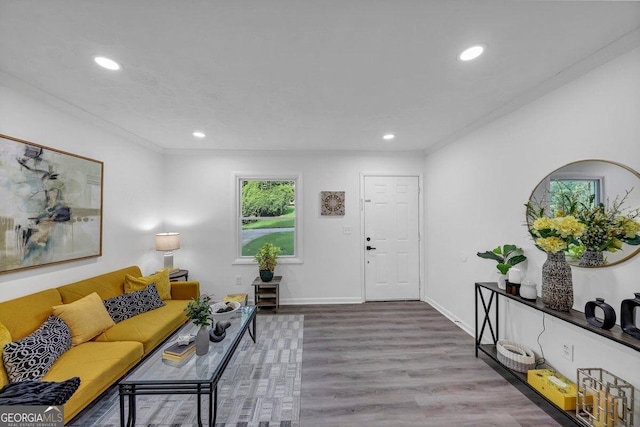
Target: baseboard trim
(313,301)
(449,315)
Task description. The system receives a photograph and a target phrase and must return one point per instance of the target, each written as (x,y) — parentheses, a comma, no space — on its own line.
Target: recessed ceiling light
(471,53)
(388,137)
(199,134)
(107,63)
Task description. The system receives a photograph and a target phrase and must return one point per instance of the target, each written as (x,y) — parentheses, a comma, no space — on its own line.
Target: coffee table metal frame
(130,388)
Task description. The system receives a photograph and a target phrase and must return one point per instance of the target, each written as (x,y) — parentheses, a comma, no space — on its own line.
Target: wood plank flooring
(403,364)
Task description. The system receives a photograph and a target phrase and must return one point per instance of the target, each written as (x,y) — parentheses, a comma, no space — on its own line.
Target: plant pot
(266,275)
(502,281)
(202,341)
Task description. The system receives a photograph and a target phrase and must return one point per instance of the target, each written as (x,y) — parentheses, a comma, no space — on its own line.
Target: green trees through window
(268,214)
(586,191)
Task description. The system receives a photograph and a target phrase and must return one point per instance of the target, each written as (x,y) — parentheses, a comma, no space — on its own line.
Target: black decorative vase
(609,314)
(557,283)
(627,309)
(266,275)
(592,259)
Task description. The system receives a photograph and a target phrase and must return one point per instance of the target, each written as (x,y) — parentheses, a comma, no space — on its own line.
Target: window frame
(597,180)
(239,177)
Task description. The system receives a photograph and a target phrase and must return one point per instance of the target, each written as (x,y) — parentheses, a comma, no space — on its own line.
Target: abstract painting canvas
(50,205)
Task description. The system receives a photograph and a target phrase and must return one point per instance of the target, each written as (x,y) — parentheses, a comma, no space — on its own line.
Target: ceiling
(305,74)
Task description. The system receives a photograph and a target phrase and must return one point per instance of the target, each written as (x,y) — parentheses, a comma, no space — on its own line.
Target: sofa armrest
(185,289)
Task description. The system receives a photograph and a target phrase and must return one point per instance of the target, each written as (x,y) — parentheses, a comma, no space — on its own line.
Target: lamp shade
(167,241)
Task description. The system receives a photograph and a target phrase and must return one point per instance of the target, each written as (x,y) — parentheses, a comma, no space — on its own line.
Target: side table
(175,275)
(267,294)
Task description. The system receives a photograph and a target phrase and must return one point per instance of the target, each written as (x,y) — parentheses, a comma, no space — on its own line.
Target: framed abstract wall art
(332,203)
(50,206)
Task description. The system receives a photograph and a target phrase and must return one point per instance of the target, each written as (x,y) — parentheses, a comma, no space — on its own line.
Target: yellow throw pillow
(86,318)
(161,279)
(5,338)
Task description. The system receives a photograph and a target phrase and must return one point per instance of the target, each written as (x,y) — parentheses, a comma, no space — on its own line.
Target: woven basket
(515,356)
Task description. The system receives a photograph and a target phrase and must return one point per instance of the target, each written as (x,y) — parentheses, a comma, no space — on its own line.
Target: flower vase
(557,283)
(592,259)
(202,341)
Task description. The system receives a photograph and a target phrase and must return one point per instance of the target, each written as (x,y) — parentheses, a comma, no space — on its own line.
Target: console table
(488,293)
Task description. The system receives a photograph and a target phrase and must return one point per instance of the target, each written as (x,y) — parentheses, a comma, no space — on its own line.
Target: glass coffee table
(197,375)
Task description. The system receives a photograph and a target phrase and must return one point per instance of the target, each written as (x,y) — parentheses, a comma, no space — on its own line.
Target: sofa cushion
(24,315)
(125,306)
(5,338)
(31,357)
(107,285)
(98,364)
(161,279)
(86,317)
(150,328)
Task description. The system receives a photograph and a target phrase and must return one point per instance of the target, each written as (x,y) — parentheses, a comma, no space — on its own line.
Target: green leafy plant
(506,256)
(267,256)
(199,310)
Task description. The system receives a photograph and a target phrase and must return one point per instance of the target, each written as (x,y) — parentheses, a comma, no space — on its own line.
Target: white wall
(133,187)
(490,175)
(201,190)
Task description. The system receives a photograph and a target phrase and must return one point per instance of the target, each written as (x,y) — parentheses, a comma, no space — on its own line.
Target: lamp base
(168,260)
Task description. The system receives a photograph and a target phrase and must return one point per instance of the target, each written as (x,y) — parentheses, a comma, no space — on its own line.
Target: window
(584,190)
(268,213)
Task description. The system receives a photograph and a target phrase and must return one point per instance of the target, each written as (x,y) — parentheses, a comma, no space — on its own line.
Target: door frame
(421,251)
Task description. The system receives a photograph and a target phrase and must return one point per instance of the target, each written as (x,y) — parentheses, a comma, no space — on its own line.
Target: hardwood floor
(403,364)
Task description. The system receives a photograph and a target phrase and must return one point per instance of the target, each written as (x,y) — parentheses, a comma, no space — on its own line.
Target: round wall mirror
(604,182)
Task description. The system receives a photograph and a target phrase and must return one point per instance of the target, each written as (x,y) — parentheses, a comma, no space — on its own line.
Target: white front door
(392,238)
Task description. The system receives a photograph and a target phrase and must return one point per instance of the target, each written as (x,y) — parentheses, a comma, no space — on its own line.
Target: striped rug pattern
(260,387)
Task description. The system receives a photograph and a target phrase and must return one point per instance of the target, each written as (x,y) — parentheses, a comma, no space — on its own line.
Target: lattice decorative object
(604,400)
(332,203)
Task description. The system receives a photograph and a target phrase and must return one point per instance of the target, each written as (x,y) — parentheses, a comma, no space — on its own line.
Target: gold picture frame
(50,205)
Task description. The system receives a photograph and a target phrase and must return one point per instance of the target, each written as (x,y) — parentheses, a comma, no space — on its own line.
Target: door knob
(370,247)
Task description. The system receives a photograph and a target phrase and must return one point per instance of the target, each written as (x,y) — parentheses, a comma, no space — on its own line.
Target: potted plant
(199,311)
(506,256)
(267,259)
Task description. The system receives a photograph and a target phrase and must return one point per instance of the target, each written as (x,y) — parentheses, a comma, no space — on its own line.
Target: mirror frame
(628,169)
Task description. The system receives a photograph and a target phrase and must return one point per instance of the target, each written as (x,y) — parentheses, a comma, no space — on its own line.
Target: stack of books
(177,354)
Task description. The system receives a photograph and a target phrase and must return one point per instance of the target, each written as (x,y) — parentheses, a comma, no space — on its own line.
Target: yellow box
(554,387)
(241,298)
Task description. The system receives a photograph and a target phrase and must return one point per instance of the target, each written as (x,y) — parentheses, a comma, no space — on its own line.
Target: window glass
(586,191)
(268,214)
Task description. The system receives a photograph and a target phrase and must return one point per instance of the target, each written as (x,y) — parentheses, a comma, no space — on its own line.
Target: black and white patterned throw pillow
(32,356)
(128,305)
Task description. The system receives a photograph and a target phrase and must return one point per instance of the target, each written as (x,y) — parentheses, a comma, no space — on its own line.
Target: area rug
(260,387)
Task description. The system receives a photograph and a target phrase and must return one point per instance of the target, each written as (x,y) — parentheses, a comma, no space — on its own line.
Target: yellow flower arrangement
(587,226)
(553,234)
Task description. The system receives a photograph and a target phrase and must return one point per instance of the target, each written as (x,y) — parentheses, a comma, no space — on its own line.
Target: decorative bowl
(221,305)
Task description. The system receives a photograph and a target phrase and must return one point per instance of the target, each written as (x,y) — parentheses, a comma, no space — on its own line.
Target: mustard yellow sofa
(103,360)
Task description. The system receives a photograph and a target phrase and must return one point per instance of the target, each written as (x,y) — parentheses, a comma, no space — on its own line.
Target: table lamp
(168,242)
